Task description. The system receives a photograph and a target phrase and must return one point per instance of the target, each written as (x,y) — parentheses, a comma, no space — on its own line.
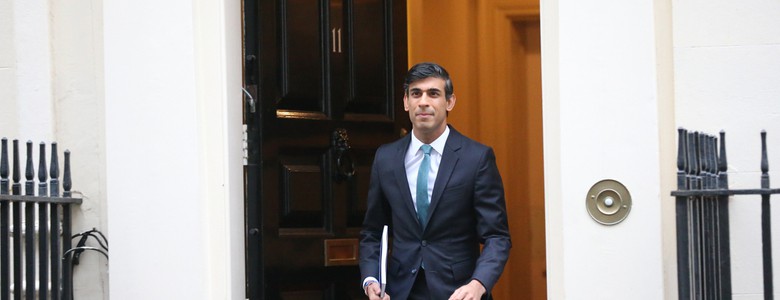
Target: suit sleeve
(492,226)
(377,215)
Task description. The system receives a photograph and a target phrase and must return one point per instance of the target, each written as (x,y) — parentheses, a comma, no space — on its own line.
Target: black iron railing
(35,229)
(702,212)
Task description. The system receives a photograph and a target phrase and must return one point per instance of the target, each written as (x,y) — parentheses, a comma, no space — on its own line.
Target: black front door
(326,79)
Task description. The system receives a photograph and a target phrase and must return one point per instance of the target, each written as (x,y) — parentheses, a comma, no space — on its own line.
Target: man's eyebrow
(420,90)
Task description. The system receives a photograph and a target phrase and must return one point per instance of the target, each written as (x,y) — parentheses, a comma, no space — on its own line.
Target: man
(441,195)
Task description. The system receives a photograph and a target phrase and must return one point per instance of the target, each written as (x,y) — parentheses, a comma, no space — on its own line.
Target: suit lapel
(449,159)
(399,169)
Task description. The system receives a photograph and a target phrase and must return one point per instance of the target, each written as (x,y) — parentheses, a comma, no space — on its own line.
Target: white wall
(51,90)
(173,143)
(601,120)
(31,31)
(25,71)
(165,104)
(727,77)
(77,89)
(8,108)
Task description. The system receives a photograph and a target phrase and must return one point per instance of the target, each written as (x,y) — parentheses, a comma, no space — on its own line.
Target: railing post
(66,230)
(43,226)
(54,191)
(695,218)
(683,259)
(5,247)
(29,221)
(724,258)
(16,189)
(707,218)
(766,222)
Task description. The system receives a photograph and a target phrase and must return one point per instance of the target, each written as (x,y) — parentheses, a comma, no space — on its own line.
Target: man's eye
(433,93)
(416,93)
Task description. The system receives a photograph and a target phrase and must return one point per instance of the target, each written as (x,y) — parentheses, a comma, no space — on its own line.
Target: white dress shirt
(413,158)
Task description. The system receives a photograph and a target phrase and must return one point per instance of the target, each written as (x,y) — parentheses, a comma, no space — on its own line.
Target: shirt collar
(437,145)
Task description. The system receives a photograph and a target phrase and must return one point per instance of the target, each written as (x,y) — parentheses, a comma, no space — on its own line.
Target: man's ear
(451,102)
(406,103)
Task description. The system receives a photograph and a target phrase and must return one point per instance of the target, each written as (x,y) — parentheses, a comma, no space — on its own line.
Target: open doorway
(492,50)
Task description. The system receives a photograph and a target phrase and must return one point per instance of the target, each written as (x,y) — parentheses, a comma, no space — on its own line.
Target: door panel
(329,93)
(370,69)
(301,192)
(302,77)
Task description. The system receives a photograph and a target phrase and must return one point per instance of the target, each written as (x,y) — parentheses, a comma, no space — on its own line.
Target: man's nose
(424,100)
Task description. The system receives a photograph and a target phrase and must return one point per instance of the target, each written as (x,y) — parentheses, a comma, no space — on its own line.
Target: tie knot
(426,149)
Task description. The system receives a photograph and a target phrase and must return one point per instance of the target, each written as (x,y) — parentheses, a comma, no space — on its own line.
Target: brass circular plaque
(608,202)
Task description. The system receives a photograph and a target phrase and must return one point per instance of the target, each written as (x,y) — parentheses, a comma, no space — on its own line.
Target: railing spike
(712,160)
(4,159)
(713,157)
(682,158)
(722,161)
(54,172)
(689,153)
(723,178)
(66,182)
(4,166)
(764,162)
(703,154)
(696,154)
(29,171)
(681,132)
(42,175)
(17,176)
(707,153)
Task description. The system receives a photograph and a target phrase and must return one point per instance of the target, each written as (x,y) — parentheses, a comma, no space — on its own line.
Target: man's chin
(423,127)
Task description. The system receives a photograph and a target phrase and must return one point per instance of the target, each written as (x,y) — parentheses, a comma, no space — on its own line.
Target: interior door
(323,81)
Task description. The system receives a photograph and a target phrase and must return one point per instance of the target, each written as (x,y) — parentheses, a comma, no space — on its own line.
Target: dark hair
(425,70)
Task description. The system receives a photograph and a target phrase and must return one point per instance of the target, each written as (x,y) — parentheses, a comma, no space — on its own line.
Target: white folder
(383,262)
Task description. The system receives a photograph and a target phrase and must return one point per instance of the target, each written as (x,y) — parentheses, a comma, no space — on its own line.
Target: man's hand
(373,290)
(472,291)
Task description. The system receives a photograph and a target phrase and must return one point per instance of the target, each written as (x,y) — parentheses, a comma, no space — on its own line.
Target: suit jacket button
(424,243)
(414,271)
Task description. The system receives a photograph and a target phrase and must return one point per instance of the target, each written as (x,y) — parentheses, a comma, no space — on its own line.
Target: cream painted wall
(601,120)
(173,144)
(8,108)
(78,104)
(155,209)
(51,90)
(162,101)
(33,59)
(25,71)
(731,81)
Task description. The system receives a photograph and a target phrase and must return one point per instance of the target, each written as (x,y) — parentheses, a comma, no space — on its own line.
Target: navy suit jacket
(467,209)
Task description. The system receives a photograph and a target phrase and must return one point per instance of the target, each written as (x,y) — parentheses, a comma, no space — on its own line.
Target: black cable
(90,233)
(81,246)
(83,241)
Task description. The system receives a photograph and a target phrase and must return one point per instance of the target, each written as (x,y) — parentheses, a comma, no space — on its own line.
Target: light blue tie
(422,186)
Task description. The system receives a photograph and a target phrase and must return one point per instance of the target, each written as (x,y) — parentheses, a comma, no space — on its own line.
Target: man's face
(428,106)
